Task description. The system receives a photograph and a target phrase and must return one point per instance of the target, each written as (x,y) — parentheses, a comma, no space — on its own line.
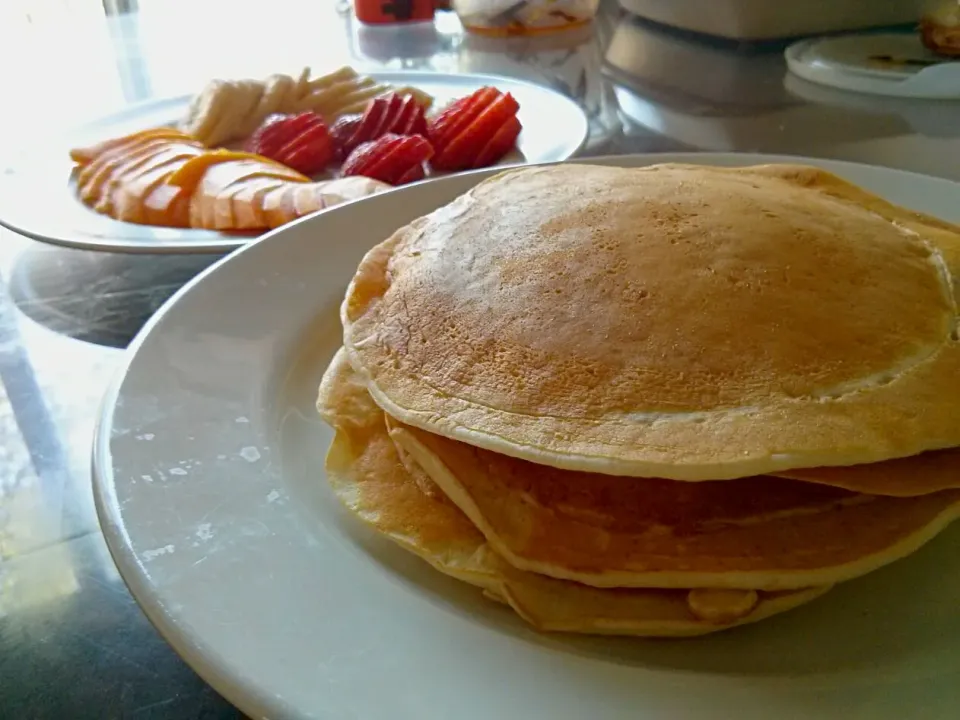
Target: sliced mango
(167,205)
(163,177)
(248,202)
(307,199)
(243,200)
(122,166)
(91,177)
(222,181)
(278,206)
(84,155)
(140,184)
(223,215)
(190,175)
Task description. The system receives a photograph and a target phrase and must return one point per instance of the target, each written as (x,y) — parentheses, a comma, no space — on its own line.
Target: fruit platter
(210,172)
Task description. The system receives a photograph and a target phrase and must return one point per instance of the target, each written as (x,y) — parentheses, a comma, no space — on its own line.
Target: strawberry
(475,131)
(373,117)
(500,144)
(463,148)
(301,142)
(390,113)
(458,115)
(270,135)
(411,119)
(392,105)
(342,131)
(393,159)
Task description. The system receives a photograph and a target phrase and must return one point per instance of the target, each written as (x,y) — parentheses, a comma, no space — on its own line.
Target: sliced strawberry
(277,130)
(404,158)
(309,153)
(449,123)
(389,165)
(417,126)
(365,156)
(500,144)
(390,113)
(342,131)
(405,115)
(462,150)
(375,118)
(412,175)
(317,130)
(411,120)
(308,134)
(392,159)
(394,105)
(372,118)
(439,127)
(262,134)
(301,142)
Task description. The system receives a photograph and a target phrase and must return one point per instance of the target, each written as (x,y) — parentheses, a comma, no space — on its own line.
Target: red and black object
(380,12)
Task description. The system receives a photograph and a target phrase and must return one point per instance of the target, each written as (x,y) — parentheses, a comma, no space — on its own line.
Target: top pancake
(677,321)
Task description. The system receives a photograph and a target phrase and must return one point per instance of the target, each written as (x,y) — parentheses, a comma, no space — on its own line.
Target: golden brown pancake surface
(677,321)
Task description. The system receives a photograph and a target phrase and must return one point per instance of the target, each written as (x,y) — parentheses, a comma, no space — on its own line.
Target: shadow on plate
(101,298)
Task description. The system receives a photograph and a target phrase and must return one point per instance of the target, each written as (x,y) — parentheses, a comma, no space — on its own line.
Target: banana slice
(303,83)
(339,75)
(277,89)
(254,91)
(231,110)
(241,99)
(211,104)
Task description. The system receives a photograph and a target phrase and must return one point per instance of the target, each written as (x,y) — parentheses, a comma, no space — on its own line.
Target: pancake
(607,531)
(549,605)
(368,475)
(904,477)
(677,321)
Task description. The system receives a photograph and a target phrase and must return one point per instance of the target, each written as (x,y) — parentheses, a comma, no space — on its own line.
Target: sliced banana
(214,99)
(232,114)
(278,89)
(227,111)
(339,75)
(303,83)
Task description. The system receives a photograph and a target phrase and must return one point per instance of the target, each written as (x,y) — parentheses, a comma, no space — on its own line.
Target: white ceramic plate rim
(231,675)
(45,175)
(802,61)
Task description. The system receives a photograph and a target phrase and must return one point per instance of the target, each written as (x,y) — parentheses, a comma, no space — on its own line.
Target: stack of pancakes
(658,401)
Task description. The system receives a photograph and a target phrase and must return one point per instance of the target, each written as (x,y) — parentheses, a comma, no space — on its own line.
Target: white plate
(38,198)
(851,62)
(210,488)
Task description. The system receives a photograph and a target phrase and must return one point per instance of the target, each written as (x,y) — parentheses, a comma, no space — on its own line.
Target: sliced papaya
(278,206)
(125,164)
(248,203)
(167,205)
(307,199)
(131,194)
(190,175)
(84,155)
